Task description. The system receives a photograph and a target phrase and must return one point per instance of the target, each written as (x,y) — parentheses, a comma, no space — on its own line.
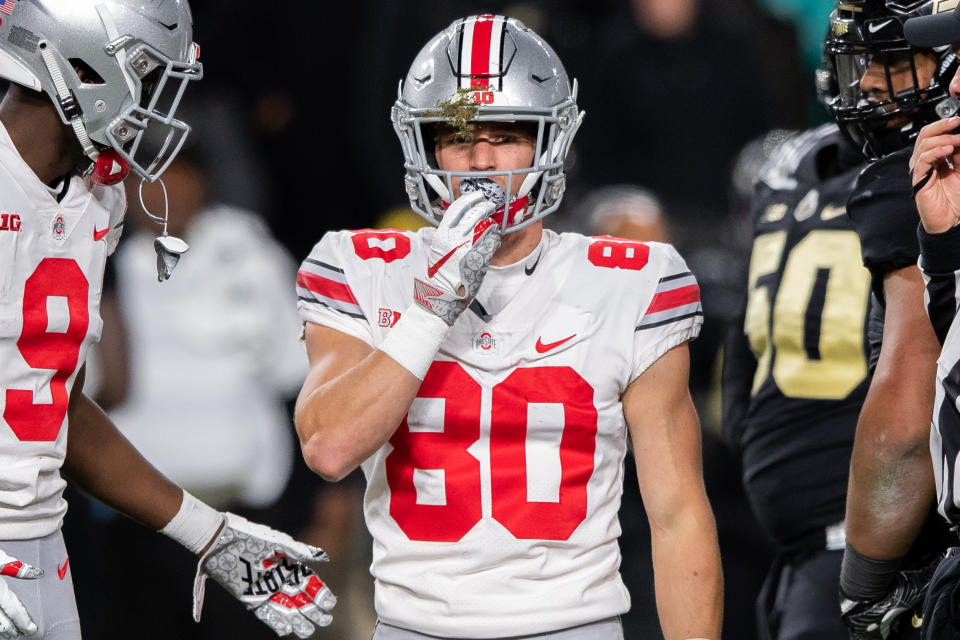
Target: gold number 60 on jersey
(777,336)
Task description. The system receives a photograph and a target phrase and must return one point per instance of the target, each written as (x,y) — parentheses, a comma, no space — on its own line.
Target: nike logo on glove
(98,234)
(543,348)
(62,571)
(432,269)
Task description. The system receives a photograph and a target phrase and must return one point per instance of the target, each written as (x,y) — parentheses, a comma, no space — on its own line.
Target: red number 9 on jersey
(43,348)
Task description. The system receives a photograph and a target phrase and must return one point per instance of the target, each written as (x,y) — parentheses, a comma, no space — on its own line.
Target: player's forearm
(104,463)
(344,421)
(887,503)
(687,574)
(891,484)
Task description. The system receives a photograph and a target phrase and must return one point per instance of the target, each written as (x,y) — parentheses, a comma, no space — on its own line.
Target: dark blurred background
(291,123)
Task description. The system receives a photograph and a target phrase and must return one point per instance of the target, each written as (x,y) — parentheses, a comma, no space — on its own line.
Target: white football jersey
(52,256)
(493,507)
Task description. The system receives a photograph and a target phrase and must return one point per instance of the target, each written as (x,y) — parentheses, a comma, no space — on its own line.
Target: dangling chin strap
(168,248)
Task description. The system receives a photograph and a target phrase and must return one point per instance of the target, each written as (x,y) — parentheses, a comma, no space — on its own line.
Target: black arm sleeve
(739,366)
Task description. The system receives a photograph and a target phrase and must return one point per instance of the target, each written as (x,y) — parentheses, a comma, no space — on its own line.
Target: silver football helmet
(507,73)
(136,56)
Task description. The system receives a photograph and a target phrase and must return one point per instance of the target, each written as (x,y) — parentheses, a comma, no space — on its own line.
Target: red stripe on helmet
(480,55)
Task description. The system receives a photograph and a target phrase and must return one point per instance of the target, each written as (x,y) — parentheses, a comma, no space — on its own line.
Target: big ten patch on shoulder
(387,317)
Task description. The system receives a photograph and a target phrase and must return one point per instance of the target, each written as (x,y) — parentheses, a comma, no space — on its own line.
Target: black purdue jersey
(795,370)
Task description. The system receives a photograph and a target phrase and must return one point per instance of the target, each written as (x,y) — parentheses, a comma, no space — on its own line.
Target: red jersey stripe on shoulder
(674,298)
(325,287)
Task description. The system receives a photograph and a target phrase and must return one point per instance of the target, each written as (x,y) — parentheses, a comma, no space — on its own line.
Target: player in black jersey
(889,90)
(936,187)
(795,374)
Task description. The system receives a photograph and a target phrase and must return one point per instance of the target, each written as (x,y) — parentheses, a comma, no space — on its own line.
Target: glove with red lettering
(15,622)
(459,256)
(271,573)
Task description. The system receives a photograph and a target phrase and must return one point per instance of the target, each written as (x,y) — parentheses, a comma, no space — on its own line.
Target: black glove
(881,619)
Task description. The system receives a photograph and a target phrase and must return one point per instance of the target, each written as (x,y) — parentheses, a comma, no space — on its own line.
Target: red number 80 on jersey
(437,452)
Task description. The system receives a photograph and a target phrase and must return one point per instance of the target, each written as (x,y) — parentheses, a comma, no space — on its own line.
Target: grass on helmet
(460,112)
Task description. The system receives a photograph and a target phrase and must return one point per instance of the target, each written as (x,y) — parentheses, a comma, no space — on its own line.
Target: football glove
(15,622)
(267,571)
(459,256)
(880,619)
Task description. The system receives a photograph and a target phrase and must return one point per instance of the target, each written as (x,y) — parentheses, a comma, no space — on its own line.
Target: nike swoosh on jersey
(873,28)
(529,270)
(543,348)
(432,269)
(99,234)
(62,571)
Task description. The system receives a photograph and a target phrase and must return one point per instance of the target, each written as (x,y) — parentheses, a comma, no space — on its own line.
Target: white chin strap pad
(438,185)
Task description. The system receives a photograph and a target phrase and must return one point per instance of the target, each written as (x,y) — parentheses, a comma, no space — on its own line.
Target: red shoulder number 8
(614,253)
(384,244)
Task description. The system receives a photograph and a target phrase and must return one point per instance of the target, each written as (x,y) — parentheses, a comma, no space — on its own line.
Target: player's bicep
(331,353)
(903,383)
(77,390)
(666,435)
(907,332)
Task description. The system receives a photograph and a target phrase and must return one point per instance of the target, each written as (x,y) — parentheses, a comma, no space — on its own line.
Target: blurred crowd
(291,137)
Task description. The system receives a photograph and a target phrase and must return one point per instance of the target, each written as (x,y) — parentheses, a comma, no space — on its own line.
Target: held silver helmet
(493,69)
(136,56)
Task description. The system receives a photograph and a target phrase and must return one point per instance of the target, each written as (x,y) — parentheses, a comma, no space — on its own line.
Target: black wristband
(921,183)
(863,578)
(940,251)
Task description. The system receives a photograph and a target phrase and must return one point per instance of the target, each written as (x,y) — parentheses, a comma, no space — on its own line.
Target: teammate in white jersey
(87,80)
(487,373)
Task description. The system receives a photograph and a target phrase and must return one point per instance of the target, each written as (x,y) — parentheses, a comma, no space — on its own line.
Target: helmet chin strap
(67,102)
(108,167)
(168,248)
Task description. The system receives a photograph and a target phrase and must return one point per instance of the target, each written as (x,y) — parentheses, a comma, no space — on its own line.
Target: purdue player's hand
(268,571)
(457,262)
(936,184)
(15,622)
(881,619)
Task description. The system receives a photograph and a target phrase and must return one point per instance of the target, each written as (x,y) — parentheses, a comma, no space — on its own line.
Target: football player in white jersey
(487,373)
(87,81)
